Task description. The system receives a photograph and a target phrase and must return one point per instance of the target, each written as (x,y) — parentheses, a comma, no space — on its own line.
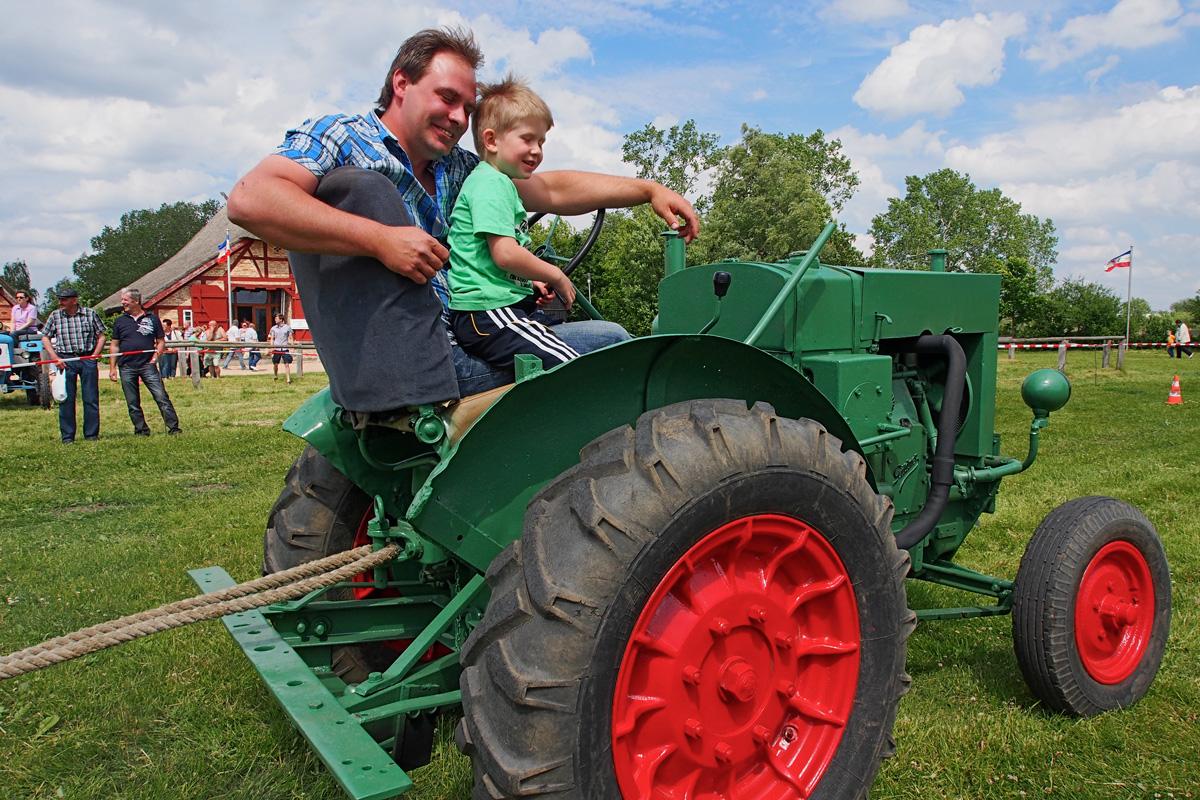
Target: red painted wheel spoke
(740,673)
(1114,612)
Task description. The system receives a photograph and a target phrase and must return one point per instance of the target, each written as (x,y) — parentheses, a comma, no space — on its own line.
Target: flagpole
(229,281)
(1129,296)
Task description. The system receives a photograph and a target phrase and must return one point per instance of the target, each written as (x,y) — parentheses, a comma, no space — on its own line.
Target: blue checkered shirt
(74,335)
(337,140)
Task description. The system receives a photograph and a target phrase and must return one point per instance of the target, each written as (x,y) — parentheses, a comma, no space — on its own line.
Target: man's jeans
(149,376)
(89,382)
(241,357)
(475,375)
(255,355)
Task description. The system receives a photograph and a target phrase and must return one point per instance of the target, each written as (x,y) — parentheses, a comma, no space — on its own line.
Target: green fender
(473,503)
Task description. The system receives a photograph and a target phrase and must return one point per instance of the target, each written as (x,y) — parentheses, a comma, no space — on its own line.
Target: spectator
(24,314)
(213,332)
(250,334)
(280,336)
(135,332)
(1170,344)
(168,362)
(74,338)
(1183,338)
(235,335)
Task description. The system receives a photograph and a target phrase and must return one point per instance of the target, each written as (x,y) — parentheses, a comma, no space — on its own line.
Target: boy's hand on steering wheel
(564,289)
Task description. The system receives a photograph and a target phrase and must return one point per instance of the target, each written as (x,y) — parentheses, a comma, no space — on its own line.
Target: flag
(223,249)
(1123,260)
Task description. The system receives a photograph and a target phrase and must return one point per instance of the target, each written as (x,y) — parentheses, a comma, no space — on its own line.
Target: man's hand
(410,252)
(112,375)
(676,211)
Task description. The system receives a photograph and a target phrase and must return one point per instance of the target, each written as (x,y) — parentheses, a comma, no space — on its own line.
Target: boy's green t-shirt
(487,204)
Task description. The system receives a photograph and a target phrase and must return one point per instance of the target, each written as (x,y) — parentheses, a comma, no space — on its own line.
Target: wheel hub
(740,674)
(1114,612)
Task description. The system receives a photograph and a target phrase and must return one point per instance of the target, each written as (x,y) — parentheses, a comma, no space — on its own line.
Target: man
(250,335)
(235,335)
(135,332)
(73,339)
(373,194)
(1183,339)
(211,332)
(169,360)
(24,314)
(280,336)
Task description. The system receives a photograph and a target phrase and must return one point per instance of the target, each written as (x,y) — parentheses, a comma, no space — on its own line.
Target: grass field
(96,530)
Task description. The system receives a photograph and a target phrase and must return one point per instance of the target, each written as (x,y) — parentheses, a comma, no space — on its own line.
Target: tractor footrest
(360,766)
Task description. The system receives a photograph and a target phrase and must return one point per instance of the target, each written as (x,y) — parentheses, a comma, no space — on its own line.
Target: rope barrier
(1083,345)
(264,591)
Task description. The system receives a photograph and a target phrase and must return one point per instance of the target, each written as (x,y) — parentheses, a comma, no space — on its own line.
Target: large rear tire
(710,605)
(319,513)
(1092,607)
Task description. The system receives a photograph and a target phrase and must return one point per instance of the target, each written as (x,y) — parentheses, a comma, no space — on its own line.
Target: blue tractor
(20,353)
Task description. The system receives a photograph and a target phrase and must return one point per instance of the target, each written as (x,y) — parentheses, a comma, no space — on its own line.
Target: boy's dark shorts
(284,357)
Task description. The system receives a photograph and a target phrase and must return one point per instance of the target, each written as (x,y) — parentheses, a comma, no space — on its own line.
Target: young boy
(494,281)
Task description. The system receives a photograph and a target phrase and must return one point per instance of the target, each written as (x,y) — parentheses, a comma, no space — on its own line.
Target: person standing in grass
(250,335)
(280,336)
(169,360)
(74,338)
(135,332)
(1183,338)
(213,332)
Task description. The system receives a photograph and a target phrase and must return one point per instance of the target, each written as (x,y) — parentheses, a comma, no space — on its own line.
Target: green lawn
(96,530)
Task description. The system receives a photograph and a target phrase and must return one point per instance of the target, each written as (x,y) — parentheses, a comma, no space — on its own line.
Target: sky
(1087,113)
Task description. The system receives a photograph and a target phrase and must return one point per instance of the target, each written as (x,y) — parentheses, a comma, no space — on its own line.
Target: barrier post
(194,361)
(1062,356)
(1107,354)
(1121,355)
(300,362)
(1012,352)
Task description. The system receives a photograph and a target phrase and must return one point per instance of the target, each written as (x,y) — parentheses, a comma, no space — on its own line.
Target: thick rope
(305,570)
(174,615)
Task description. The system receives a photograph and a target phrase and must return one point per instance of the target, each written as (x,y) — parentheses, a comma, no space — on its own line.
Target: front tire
(710,604)
(1092,607)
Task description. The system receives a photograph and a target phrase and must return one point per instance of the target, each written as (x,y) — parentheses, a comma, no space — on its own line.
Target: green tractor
(675,567)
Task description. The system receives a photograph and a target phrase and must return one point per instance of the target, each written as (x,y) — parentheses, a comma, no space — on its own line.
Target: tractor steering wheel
(547,252)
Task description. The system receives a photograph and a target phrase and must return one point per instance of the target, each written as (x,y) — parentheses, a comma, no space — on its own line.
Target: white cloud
(758,94)
(1110,63)
(927,72)
(1129,25)
(1165,125)
(864,10)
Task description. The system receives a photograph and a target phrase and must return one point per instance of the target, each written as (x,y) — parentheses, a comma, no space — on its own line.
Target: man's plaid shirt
(77,335)
(337,140)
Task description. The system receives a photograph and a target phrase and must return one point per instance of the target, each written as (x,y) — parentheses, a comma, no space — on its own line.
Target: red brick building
(7,301)
(192,287)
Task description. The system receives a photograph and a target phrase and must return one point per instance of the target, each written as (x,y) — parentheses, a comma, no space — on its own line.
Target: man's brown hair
(503,105)
(418,50)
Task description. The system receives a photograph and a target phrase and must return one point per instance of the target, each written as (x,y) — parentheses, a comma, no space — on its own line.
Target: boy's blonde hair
(503,105)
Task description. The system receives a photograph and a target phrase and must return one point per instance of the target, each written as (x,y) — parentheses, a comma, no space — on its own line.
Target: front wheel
(711,605)
(1092,607)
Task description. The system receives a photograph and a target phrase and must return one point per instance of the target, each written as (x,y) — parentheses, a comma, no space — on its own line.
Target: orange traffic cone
(1175,396)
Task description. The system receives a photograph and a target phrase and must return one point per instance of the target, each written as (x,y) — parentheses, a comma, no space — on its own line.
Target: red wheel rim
(1114,612)
(740,674)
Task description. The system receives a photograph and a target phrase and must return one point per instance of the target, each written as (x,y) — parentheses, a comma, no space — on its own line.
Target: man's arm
(113,349)
(275,202)
(569,192)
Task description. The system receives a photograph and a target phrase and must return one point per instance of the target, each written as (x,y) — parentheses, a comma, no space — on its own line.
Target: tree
(1187,309)
(16,275)
(676,157)
(766,202)
(144,239)
(1081,308)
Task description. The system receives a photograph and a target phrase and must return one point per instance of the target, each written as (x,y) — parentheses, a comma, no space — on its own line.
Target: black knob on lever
(721,281)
